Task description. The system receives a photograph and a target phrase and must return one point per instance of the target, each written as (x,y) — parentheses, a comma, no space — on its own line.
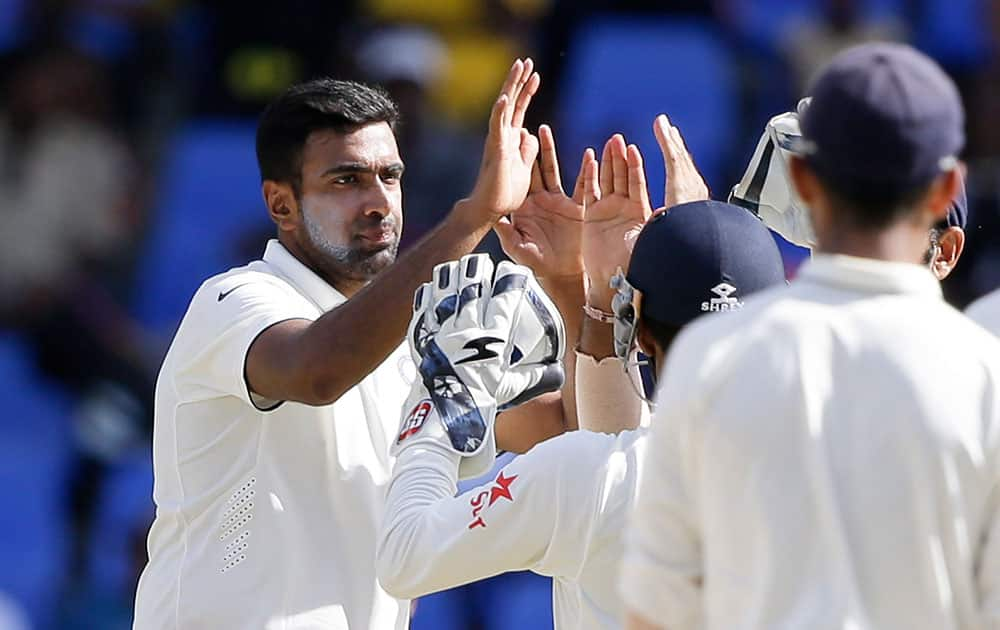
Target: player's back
(843,453)
(601,472)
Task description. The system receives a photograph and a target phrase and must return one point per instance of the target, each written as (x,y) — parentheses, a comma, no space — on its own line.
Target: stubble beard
(344,261)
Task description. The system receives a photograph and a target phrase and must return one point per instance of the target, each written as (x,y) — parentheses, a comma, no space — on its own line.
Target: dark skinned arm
(317,362)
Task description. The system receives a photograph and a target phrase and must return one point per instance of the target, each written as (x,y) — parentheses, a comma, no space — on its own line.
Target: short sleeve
(224,319)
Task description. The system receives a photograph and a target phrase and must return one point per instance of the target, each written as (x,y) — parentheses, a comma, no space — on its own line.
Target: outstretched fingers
(637,190)
(619,164)
(511,240)
(510,89)
(549,160)
(683,181)
(591,188)
(537,185)
(661,129)
(495,134)
(529,147)
(524,94)
(607,176)
(677,141)
(580,189)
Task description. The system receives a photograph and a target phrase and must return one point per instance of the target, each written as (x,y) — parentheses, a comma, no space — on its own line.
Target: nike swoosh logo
(223,294)
(482,352)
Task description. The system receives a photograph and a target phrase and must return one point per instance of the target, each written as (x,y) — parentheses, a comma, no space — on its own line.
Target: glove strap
(597,314)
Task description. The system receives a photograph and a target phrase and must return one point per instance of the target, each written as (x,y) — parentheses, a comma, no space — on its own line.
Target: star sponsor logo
(414,420)
(486,498)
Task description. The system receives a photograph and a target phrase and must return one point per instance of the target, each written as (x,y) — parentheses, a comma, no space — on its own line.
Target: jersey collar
(308,283)
(870,276)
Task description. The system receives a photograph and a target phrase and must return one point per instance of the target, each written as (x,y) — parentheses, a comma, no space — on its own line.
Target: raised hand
(546,232)
(510,150)
(684,183)
(613,221)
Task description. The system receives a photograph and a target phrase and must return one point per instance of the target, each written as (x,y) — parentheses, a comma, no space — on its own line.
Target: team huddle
(808,455)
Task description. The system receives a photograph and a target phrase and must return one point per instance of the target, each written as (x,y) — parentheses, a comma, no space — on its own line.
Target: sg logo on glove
(414,420)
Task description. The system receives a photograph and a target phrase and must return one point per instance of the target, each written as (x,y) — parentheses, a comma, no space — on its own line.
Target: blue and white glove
(482,343)
(766,188)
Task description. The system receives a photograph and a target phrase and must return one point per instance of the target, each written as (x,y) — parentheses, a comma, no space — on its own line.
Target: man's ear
(942,194)
(282,205)
(949,250)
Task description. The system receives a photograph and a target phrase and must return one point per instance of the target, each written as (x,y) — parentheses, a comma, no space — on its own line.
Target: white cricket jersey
(826,457)
(266,513)
(986,312)
(557,510)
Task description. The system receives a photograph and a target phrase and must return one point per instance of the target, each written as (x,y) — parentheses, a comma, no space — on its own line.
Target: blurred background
(127,176)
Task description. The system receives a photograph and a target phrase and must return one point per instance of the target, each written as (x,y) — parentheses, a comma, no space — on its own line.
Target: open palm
(613,222)
(545,233)
(510,150)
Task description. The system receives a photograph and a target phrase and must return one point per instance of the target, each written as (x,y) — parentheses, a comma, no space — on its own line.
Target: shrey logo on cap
(723,300)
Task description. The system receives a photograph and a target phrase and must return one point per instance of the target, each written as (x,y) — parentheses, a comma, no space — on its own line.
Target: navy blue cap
(883,115)
(701,257)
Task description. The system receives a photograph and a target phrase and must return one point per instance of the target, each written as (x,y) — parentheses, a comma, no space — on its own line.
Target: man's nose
(378,201)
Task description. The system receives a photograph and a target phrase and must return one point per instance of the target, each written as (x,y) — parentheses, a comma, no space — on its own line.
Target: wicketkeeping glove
(482,343)
(766,188)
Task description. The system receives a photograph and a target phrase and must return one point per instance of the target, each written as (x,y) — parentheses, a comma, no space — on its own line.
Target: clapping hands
(545,232)
(593,230)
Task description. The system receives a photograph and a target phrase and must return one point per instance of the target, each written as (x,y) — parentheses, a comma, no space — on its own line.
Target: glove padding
(766,188)
(482,343)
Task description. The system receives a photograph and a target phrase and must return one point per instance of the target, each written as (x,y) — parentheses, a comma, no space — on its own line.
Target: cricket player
(809,464)
(766,190)
(279,397)
(986,312)
(559,509)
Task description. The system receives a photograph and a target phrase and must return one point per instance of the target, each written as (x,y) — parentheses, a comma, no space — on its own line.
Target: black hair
(870,204)
(663,333)
(313,106)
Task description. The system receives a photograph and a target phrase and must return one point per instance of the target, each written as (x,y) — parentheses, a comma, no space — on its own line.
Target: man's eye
(391,177)
(345,179)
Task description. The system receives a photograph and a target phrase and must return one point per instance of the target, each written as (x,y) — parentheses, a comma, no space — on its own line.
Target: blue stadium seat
(12,26)
(622,72)
(764,24)
(103,35)
(209,201)
(955,32)
(124,512)
(36,444)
